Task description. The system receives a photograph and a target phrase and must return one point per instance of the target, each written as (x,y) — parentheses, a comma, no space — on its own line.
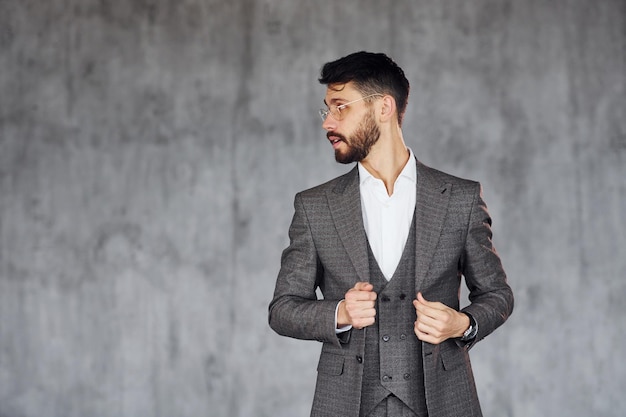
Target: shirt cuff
(344,328)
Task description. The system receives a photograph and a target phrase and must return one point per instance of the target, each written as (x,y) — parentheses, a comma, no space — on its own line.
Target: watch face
(471,332)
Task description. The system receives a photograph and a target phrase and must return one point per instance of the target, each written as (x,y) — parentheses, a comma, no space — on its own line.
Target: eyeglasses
(335,110)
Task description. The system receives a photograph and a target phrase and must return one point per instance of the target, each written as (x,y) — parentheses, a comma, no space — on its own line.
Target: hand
(358,308)
(437,322)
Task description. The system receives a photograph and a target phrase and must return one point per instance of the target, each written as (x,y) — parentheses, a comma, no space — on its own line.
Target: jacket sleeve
(491,298)
(295,311)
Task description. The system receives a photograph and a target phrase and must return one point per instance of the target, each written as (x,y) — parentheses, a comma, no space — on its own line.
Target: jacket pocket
(453,356)
(330,364)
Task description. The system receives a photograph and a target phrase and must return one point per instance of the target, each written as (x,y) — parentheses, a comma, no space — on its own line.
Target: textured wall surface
(150,151)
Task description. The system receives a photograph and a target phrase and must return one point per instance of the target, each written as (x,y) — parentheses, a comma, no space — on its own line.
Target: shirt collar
(409,171)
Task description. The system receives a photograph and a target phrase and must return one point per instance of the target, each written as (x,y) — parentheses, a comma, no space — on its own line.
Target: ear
(388,109)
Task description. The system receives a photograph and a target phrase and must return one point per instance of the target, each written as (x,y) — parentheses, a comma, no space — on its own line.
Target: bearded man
(387,245)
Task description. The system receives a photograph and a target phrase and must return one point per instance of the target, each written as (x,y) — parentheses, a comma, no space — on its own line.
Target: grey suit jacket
(328,249)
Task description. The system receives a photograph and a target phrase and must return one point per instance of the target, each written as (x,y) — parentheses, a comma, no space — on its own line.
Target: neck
(387,158)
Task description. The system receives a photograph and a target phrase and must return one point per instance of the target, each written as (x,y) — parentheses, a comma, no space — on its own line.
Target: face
(353,136)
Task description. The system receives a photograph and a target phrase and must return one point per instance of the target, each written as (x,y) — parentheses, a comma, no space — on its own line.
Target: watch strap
(471,332)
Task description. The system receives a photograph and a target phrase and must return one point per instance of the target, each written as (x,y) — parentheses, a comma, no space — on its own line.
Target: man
(387,244)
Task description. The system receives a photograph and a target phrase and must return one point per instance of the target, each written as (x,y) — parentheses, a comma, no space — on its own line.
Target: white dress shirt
(387,218)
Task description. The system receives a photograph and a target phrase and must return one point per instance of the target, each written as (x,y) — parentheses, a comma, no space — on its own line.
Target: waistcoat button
(386,338)
(407,376)
(359,358)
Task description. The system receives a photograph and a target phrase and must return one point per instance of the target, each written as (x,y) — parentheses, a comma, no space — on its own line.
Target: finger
(432,304)
(424,337)
(363,286)
(362,291)
(356,295)
(426,324)
(427,333)
(364,318)
(427,314)
(424,309)
(361,323)
(367,313)
(357,307)
(422,300)
(420,333)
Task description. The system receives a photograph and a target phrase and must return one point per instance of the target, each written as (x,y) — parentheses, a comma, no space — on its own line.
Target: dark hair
(371,73)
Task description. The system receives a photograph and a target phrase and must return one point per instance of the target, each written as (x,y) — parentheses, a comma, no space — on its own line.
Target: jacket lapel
(431,205)
(345,207)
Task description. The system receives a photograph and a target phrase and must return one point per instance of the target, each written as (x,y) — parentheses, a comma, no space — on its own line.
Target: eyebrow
(334,100)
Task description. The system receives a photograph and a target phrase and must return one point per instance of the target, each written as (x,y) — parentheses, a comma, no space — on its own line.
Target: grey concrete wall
(150,151)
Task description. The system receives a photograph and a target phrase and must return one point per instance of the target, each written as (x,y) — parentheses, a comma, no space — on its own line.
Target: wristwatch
(471,331)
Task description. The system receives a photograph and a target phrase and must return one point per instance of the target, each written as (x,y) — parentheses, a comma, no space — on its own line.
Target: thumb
(421,298)
(363,286)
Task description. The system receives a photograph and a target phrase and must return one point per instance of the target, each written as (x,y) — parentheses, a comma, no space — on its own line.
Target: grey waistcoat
(393,354)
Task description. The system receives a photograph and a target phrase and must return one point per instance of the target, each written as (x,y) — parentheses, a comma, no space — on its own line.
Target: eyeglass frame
(325,112)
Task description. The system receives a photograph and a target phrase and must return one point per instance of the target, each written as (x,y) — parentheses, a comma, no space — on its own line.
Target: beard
(360,143)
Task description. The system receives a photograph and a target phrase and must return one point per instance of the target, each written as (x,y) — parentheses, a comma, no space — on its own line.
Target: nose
(330,123)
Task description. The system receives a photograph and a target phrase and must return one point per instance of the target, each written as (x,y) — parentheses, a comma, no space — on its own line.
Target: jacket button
(407,376)
(359,358)
(386,378)
(386,338)
(384,298)
(402,336)
(402,296)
